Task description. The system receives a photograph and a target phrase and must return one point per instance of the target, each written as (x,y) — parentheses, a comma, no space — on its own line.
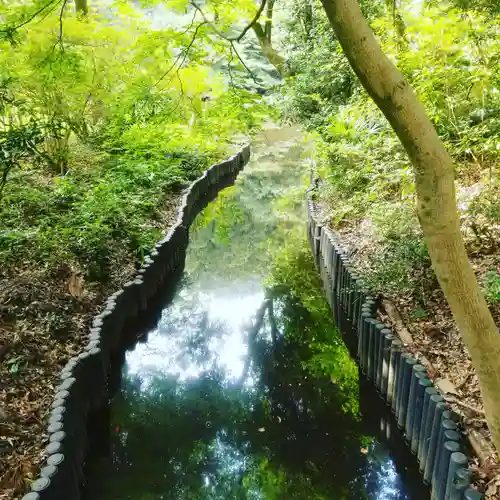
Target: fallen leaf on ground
(445,386)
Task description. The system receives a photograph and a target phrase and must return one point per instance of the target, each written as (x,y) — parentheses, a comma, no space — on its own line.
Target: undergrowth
(99,132)
(81,216)
(492,287)
(451,58)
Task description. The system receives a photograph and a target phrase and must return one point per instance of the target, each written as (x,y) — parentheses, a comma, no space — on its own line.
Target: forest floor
(66,243)
(422,318)
(45,313)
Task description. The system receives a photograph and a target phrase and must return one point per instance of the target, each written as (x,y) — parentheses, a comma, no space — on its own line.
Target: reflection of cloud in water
(382,481)
(200,331)
(206,329)
(388,481)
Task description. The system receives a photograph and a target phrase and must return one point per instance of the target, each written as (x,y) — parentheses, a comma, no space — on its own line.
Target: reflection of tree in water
(232,234)
(283,435)
(308,435)
(288,427)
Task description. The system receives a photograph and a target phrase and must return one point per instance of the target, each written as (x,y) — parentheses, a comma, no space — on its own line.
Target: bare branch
(184,53)
(59,40)
(181,84)
(243,63)
(232,86)
(255,19)
(189,27)
(245,30)
(238,38)
(60,37)
(231,79)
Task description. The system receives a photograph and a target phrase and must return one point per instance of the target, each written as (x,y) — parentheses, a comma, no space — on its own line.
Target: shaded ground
(44,316)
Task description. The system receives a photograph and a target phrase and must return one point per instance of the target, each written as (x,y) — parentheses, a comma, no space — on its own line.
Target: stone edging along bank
(82,396)
(430,427)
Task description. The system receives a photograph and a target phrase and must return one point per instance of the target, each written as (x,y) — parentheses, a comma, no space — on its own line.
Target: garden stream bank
(239,386)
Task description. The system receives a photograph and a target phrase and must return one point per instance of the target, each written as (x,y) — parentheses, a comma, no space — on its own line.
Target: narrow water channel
(243,389)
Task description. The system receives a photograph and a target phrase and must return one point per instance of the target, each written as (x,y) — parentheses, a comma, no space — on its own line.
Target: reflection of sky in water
(218,319)
(205,328)
(386,483)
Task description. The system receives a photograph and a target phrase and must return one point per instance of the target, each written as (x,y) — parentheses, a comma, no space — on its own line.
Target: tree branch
(184,53)
(11,29)
(256,18)
(232,86)
(238,38)
(230,71)
(59,40)
(60,37)
(245,30)
(243,63)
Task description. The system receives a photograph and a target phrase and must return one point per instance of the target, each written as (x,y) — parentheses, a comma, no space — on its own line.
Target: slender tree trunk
(81,7)
(269,21)
(272,321)
(252,338)
(269,51)
(436,203)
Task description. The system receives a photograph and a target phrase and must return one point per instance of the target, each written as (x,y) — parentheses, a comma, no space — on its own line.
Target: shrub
(492,287)
(399,262)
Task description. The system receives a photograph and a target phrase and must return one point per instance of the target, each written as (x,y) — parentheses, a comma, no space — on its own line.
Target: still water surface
(243,389)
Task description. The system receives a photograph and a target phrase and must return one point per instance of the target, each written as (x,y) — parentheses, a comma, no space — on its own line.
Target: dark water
(243,388)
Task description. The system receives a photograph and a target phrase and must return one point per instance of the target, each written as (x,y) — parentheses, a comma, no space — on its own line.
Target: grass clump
(492,287)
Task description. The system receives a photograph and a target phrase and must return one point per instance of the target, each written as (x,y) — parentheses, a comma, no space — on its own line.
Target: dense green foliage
(252,223)
(450,55)
(99,123)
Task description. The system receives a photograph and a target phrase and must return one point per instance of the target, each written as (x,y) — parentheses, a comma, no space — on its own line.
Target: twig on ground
(481,447)
(472,409)
(397,321)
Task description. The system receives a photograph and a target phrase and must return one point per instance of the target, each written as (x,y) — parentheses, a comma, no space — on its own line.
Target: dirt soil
(435,340)
(45,316)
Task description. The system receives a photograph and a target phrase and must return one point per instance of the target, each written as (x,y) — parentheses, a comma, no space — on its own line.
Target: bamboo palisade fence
(429,426)
(77,426)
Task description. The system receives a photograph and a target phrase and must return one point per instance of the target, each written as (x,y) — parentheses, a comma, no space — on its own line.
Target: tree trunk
(81,7)
(269,51)
(269,21)
(436,202)
(272,322)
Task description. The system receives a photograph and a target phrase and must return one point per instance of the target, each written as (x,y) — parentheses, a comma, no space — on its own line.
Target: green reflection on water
(245,389)
(257,214)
